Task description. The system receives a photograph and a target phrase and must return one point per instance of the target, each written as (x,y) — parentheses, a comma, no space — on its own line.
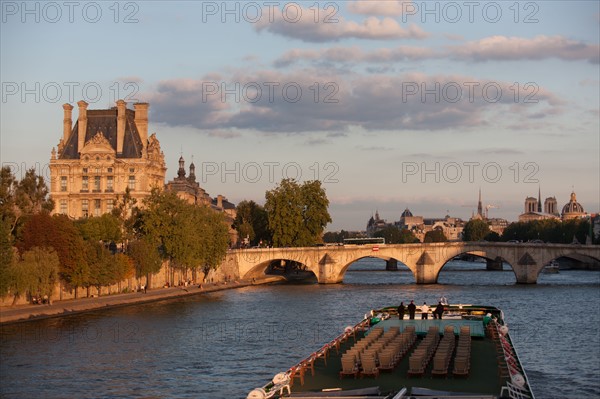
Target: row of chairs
(462,358)
(377,352)
(419,359)
(443,354)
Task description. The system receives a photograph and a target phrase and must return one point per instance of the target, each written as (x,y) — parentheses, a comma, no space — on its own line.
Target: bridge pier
(494,264)
(391,265)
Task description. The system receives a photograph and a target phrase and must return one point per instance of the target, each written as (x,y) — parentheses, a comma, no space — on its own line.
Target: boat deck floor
(483,378)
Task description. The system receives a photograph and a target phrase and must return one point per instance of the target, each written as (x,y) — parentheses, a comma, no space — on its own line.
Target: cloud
(493,48)
(390,8)
(300,24)
(355,55)
(502,48)
(271,101)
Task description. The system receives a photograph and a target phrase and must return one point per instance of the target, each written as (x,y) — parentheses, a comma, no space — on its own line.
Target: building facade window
(63,206)
(110,204)
(109,184)
(63,183)
(97,183)
(84,183)
(85,208)
(97,207)
(131,183)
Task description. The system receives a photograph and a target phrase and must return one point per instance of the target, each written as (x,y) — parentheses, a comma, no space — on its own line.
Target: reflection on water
(221,345)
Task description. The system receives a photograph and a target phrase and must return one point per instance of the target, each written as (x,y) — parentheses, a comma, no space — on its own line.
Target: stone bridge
(329,263)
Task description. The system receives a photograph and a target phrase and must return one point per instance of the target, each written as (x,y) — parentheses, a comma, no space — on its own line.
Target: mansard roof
(105,121)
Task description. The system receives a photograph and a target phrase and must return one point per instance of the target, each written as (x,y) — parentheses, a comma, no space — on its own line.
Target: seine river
(224,344)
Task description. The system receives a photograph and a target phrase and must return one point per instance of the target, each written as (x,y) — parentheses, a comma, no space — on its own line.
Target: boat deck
(483,377)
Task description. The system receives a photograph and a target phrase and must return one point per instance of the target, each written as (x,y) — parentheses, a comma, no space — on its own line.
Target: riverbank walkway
(19,313)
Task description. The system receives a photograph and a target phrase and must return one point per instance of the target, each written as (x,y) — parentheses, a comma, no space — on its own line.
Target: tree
(6,257)
(145,257)
(435,235)
(252,221)
(393,235)
(189,236)
(105,228)
(407,237)
(297,214)
(58,232)
(475,230)
(35,273)
(19,200)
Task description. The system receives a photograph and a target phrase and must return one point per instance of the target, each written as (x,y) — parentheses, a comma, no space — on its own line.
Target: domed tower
(192,176)
(572,209)
(181,170)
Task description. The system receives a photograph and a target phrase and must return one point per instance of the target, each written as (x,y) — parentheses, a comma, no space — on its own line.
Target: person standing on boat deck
(412,308)
(424,311)
(439,311)
(401,310)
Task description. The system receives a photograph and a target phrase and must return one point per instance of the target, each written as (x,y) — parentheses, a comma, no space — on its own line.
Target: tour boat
(552,267)
(468,353)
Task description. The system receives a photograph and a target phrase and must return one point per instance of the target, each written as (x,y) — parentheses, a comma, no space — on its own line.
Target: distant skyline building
(532,209)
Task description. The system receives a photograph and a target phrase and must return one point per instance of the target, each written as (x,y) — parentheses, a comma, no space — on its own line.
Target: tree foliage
(393,235)
(252,222)
(35,273)
(475,230)
(6,257)
(106,228)
(189,236)
(21,199)
(548,230)
(58,232)
(297,213)
(435,235)
(145,257)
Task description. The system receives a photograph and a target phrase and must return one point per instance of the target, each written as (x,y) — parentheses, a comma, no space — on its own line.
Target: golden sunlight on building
(105,153)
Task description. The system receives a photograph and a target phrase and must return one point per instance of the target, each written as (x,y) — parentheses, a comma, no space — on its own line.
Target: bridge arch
(344,268)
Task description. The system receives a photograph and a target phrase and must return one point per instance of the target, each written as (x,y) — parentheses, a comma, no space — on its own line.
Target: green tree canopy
(435,235)
(252,221)
(145,257)
(21,199)
(35,272)
(548,230)
(189,236)
(475,230)
(297,213)
(6,257)
(58,232)
(106,228)
(393,235)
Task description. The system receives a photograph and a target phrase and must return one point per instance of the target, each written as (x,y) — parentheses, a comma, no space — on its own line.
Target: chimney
(121,109)
(67,122)
(141,121)
(82,123)
(220,201)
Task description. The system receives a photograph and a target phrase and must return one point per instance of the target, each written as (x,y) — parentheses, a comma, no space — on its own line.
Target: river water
(224,344)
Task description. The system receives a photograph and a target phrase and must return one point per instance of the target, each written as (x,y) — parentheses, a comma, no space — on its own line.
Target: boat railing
(283,381)
(518,387)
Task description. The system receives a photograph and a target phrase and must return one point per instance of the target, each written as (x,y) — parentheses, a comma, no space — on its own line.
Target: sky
(391,104)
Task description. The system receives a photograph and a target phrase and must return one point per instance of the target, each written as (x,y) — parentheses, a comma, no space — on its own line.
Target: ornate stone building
(105,153)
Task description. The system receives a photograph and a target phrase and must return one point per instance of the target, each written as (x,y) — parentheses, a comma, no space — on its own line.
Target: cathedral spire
(539,208)
(479,205)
